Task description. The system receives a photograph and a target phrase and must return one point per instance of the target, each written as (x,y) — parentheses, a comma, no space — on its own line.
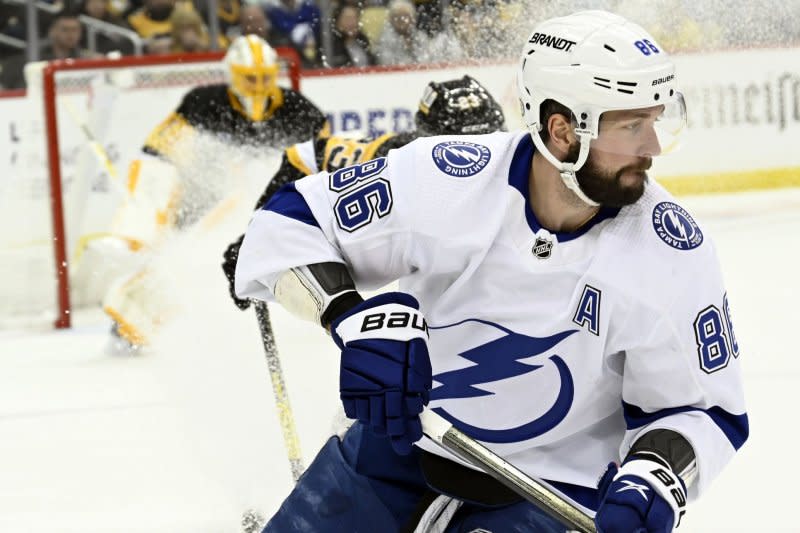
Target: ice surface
(184,438)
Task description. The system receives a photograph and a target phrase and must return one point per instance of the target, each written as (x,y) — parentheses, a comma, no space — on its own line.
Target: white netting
(103,114)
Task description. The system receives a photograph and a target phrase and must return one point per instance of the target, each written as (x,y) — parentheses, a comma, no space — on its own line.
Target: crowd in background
(347,33)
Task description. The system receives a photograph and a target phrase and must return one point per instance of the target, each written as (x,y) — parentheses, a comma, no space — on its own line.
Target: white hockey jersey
(556,350)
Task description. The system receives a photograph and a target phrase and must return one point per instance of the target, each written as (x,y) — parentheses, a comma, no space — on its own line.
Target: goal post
(93,115)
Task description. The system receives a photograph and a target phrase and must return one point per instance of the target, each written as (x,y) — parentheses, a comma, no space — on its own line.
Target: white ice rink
(183,439)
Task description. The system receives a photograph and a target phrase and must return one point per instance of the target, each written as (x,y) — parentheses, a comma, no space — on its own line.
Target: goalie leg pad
(150,209)
(102,261)
(138,306)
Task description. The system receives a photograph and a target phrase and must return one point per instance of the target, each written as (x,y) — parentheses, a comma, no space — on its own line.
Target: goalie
(250,110)
(184,171)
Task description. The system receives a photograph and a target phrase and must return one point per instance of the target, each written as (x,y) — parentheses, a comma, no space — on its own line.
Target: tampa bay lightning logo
(461,159)
(500,359)
(676,227)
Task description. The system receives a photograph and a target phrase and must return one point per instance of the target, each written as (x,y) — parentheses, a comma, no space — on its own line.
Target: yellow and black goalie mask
(253,77)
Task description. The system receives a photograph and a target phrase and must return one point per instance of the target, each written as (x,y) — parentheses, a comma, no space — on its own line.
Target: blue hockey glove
(385,371)
(643,495)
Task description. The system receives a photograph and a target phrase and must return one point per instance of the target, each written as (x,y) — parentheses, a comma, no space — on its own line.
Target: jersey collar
(518,178)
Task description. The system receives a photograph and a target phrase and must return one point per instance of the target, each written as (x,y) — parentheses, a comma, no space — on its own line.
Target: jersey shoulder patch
(675,226)
(460,158)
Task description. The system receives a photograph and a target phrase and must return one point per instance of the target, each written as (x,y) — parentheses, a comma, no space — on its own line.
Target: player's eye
(634,126)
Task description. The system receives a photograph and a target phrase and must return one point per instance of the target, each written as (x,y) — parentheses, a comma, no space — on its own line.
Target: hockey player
(180,177)
(458,106)
(250,110)
(555,303)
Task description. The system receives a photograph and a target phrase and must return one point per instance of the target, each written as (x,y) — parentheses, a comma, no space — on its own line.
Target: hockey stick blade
(468,449)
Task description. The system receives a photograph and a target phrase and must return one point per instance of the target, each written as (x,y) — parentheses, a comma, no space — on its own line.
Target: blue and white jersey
(556,350)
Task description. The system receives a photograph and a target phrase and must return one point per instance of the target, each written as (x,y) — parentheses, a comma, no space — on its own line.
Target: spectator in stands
(253,21)
(478,29)
(401,43)
(189,34)
(440,45)
(64,35)
(228,13)
(290,17)
(105,42)
(350,46)
(429,14)
(296,23)
(152,19)
(12,20)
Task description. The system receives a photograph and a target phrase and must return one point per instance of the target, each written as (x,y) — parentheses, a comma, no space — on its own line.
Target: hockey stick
(99,152)
(252,521)
(285,415)
(451,439)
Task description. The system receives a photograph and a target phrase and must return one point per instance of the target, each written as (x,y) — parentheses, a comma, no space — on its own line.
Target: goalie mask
(457,107)
(615,80)
(252,76)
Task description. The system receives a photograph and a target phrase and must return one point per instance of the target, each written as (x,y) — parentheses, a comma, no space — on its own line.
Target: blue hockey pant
(360,485)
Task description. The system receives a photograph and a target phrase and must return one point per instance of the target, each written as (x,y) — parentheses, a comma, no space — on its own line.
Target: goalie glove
(643,494)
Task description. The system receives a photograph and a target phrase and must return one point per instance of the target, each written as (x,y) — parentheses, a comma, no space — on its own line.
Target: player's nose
(651,146)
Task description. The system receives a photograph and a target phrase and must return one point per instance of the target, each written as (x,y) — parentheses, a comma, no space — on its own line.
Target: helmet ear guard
(593,62)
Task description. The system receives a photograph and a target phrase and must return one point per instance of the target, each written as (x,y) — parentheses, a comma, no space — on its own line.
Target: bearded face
(608,185)
(615,173)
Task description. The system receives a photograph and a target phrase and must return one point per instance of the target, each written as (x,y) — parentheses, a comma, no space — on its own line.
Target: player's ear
(561,134)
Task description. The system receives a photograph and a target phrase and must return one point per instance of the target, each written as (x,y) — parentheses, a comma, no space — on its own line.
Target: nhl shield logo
(542,248)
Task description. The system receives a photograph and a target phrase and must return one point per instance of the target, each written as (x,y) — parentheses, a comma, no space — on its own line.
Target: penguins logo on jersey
(676,227)
(502,358)
(461,159)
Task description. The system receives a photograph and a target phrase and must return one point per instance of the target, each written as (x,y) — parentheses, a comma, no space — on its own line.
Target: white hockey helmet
(252,75)
(593,62)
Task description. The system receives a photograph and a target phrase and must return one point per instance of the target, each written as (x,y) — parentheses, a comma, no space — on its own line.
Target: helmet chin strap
(568,170)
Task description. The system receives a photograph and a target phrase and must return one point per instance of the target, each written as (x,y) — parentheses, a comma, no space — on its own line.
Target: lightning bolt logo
(498,360)
(676,227)
(677,223)
(461,159)
(468,155)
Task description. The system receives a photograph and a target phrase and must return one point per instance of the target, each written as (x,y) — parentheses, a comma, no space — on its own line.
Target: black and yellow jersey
(148,28)
(330,154)
(290,118)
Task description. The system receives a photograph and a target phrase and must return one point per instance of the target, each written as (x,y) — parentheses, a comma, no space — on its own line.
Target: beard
(606,187)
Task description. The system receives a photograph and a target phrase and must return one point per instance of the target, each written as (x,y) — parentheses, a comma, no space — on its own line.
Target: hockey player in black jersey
(184,173)
(249,109)
(459,106)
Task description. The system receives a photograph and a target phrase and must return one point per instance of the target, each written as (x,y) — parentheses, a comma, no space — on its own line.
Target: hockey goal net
(88,120)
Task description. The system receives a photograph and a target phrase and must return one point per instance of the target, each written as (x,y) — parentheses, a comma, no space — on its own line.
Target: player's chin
(629,188)
(632,178)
